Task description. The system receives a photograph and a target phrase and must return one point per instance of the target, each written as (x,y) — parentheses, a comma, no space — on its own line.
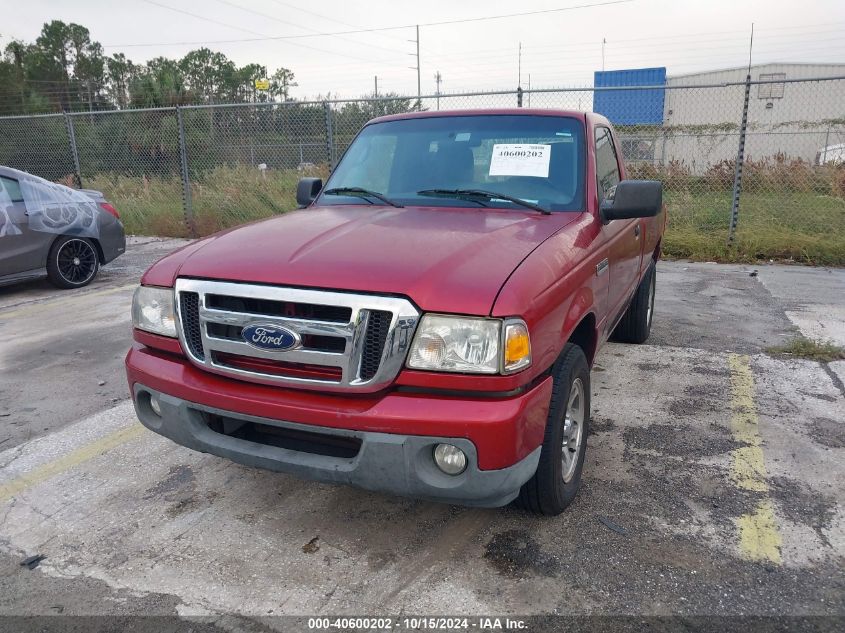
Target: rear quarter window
(12,188)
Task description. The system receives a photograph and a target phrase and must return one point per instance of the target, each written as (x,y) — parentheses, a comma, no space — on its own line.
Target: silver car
(48,229)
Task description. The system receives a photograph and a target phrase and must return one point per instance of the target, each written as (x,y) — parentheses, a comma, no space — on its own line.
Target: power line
(263,37)
(367,30)
(299,26)
(626,43)
(672,51)
(201,17)
(326,17)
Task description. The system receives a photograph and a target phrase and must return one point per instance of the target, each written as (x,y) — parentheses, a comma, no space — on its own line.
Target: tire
(635,325)
(73,262)
(556,481)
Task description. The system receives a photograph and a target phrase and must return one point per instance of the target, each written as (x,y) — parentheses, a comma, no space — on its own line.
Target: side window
(607,168)
(12,188)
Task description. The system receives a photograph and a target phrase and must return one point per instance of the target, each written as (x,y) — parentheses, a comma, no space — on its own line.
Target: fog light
(450,459)
(154,405)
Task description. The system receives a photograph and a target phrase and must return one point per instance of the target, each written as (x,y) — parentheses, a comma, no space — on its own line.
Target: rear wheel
(635,326)
(555,484)
(72,262)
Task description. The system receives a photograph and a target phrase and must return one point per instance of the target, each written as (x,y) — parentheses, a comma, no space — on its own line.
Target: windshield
(434,161)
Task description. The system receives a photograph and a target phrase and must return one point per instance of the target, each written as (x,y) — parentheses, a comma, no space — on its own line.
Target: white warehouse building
(702,116)
(796,119)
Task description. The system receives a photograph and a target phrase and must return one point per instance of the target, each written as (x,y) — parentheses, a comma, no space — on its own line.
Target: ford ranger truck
(424,324)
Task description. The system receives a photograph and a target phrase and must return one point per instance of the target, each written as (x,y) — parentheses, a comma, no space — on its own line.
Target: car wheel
(72,263)
(635,326)
(558,477)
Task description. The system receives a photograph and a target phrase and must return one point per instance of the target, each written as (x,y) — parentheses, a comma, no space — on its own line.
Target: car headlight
(152,310)
(470,344)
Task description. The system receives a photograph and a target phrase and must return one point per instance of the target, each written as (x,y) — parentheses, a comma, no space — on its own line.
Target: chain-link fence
(196,169)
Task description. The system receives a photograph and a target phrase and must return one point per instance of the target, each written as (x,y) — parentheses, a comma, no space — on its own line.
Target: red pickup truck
(425,324)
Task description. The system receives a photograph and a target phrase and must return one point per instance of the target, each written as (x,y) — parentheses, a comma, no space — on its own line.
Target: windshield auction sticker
(520,159)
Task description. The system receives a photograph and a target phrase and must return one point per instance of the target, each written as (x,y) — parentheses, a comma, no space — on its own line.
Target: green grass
(801,347)
(804,227)
(221,198)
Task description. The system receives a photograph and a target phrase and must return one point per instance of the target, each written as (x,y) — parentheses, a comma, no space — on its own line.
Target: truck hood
(443,259)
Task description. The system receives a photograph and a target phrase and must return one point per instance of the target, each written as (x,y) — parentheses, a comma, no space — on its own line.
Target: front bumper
(397,429)
(385,462)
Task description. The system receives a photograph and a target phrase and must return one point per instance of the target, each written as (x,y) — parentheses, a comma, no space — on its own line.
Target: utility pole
(740,154)
(375,92)
(519,67)
(438,78)
(529,90)
(603,42)
(417,68)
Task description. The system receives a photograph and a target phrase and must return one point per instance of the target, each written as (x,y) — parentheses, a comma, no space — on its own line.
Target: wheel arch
(585,336)
(580,325)
(100,254)
(97,246)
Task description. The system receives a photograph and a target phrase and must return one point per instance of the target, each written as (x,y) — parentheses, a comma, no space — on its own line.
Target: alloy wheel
(76,261)
(573,427)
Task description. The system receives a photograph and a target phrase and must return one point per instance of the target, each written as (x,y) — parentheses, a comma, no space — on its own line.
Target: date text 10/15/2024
(406,623)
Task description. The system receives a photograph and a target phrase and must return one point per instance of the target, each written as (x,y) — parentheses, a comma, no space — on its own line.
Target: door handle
(637,232)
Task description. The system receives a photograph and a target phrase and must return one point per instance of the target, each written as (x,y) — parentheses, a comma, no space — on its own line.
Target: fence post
(187,204)
(740,157)
(519,97)
(327,108)
(74,152)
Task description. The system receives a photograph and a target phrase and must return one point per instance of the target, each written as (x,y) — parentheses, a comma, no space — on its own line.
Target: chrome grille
(378,325)
(189,307)
(347,341)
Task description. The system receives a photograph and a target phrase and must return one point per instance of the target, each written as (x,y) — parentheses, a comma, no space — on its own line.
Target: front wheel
(72,262)
(555,484)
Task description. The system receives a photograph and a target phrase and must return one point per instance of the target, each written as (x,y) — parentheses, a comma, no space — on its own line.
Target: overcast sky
(558,48)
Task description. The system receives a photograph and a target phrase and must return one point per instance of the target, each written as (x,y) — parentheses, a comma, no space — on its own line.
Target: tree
(121,72)
(13,94)
(160,83)
(64,69)
(246,77)
(51,59)
(281,82)
(207,74)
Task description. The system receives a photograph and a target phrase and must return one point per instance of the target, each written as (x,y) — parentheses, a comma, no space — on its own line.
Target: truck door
(21,249)
(623,239)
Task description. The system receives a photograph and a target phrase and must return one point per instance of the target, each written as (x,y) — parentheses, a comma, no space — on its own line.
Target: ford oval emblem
(270,337)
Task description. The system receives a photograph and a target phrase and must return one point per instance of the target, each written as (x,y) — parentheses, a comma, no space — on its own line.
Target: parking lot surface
(713,482)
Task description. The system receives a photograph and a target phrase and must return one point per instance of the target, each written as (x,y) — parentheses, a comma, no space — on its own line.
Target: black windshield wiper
(361,193)
(475,194)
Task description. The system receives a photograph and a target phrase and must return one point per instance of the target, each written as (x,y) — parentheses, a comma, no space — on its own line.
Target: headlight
(470,345)
(152,310)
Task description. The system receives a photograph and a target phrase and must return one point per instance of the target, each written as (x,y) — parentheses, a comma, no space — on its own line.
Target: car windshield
(462,160)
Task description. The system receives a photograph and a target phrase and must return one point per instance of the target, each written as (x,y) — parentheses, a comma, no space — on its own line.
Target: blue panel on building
(630,107)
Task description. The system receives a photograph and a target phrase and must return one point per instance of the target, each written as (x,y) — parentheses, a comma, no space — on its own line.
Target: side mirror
(633,199)
(307,190)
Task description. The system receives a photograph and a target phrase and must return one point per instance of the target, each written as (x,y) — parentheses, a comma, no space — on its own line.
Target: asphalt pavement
(712,484)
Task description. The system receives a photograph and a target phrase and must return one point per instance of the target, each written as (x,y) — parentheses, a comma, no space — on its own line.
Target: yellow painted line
(759,537)
(758,534)
(74,458)
(61,301)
